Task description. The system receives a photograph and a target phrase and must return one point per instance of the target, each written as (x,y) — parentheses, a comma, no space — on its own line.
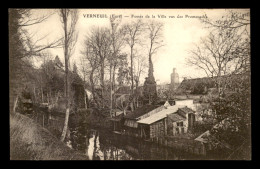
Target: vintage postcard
(129,84)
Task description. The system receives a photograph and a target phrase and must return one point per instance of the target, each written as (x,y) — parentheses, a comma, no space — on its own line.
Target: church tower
(174,79)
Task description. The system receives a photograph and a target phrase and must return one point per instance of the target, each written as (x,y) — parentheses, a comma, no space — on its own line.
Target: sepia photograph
(129,84)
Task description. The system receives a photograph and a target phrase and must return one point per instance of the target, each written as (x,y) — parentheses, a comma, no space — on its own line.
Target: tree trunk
(66,75)
(51,100)
(48,98)
(85,100)
(113,86)
(65,128)
(34,92)
(132,80)
(111,90)
(42,94)
(136,94)
(102,82)
(15,103)
(137,102)
(95,147)
(132,76)
(91,78)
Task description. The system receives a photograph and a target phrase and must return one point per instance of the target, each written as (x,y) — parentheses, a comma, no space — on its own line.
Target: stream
(99,144)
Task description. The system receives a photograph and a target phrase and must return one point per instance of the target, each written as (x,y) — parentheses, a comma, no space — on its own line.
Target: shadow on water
(105,145)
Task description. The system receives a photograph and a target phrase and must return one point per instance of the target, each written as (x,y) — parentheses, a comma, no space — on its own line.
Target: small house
(130,120)
(156,124)
(181,121)
(116,118)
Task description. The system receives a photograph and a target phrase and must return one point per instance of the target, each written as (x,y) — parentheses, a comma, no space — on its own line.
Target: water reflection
(105,145)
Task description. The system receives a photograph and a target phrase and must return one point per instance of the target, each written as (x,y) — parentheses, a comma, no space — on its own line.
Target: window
(180,124)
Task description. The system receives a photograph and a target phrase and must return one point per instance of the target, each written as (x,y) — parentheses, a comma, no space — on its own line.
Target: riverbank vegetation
(29,141)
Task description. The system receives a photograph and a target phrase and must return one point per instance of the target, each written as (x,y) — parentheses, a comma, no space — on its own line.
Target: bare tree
(92,63)
(133,34)
(155,37)
(99,42)
(23,46)
(83,71)
(29,20)
(117,38)
(229,44)
(233,20)
(155,42)
(221,54)
(224,56)
(140,68)
(69,18)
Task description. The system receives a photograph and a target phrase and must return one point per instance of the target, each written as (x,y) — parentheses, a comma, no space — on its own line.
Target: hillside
(29,141)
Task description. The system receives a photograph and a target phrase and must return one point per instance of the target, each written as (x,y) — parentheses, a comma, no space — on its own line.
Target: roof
(176,117)
(186,110)
(131,123)
(141,111)
(117,112)
(116,118)
(183,99)
(203,137)
(160,115)
(191,84)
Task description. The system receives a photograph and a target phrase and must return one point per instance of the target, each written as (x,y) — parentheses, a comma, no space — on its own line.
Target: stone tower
(174,79)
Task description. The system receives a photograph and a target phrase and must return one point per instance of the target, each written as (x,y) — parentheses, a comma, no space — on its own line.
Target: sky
(179,34)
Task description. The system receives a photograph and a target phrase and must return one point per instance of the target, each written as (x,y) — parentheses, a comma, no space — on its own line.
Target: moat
(105,145)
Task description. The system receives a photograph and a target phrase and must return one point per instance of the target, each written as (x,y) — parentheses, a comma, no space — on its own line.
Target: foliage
(236,109)
(229,44)
(200,88)
(29,141)
(21,49)
(150,92)
(77,90)
(123,77)
(17,65)
(52,79)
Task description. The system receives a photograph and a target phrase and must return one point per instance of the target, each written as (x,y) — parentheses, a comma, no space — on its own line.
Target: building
(116,119)
(181,121)
(174,79)
(130,120)
(207,85)
(156,124)
(181,118)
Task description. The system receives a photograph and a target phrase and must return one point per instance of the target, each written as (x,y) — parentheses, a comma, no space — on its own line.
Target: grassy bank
(29,141)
